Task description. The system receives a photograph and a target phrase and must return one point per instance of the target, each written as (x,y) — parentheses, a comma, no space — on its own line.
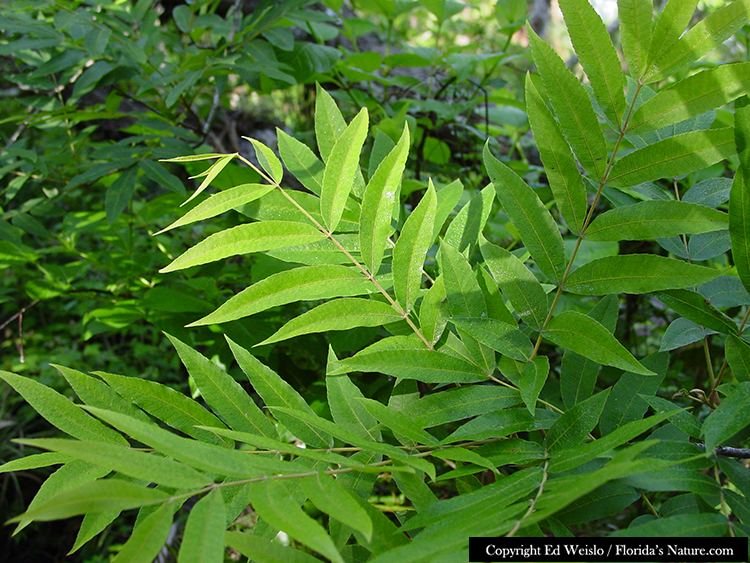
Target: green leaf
(685,421)
(460,403)
(572,107)
(693,305)
(271,501)
(225,200)
(166,404)
(268,160)
(397,422)
(304,283)
(532,379)
(578,374)
(140,465)
(409,359)
(346,410)
(498,335)
(448,197)
(692,96)
(301,162)
(738,356)
(739,196)
(159,174)
(609,499)
(245,239)
(534,223)
(276,392)
(680,526)
(119,193)
(222,393)
(635,32)
(466,227)
(335,500)
(148,537)
(674,156)
(560,166)
(597,56)
(210,174)
(517,283)
(649,220)
(339,314)
(636,273)
(61,412)
(670,25)
(702,38)
(329,123)
(341,168)
(411,247)
(585,336)
(203,541)
(98,496)
(34,461)
(433,312)
(737,473)
(575,425)
(266,551)
(380,196)
(731,416)
(199,455)
(625,403)
(467,456)
(571,458)
(682,332)
(676,479)
(94,392)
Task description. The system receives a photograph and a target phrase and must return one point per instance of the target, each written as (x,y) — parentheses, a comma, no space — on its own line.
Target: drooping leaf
(139,465)
(148,537)
(738,356)
(210,174)
(534,223)
(433,312)
(333,499)
(517,283)
(625,402)
(341,168)
(277,392)
(682,332)
(34,461)
(578,374)
(560,166)
(572,107)
(268,161)
(683,420)
(532,379)
(346,410)
(693,305)
(597,55)
(59,411)
(204,531)
(411,247)
(381,193)
(731,416)
(289,286)
(587,337)
(264,550)
(225,200)
(692,96)
(166,404)
(702,38)
(635,32)
(301,162)
(674,156)
(119,193)
(636,273)
(98,496)
(339,314)
(649,220)
(222,393)
(498,335)
(572,427)
(245,239)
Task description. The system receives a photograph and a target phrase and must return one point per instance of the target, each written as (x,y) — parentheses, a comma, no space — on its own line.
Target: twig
(19,314)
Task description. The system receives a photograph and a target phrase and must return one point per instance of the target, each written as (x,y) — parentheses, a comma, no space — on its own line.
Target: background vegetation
(99,95)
